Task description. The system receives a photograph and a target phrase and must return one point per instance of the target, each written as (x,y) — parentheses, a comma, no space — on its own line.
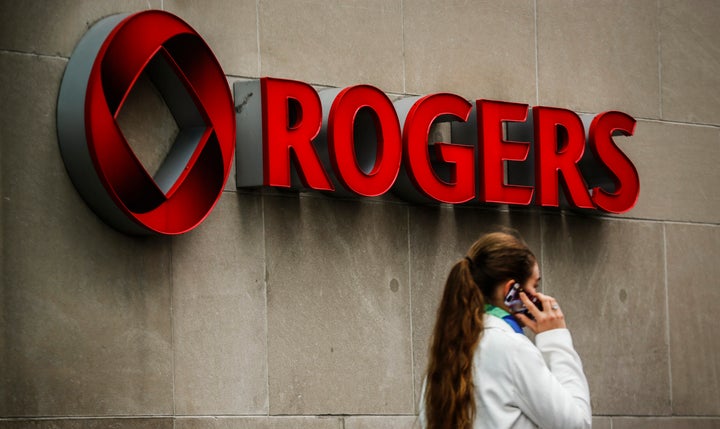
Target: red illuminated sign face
(102,71)
(352,141)
(356,141)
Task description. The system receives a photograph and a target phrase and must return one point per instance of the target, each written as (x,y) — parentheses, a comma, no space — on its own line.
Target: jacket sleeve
(551,387)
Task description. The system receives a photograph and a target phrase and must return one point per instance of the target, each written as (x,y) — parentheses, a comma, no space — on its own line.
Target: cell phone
(515,304)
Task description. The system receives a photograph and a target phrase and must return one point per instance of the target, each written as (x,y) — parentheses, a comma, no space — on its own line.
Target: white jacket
(521,385)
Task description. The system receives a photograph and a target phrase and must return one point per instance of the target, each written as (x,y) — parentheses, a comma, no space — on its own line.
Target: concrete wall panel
(377,422)
(259,423)
(478,49)
(138,423)
(690,48)
(595,56)
(86,310)
(333,43)
(229,27)
(55,28)
(666,423)
(338,307)
(602,423)
(219,312)
(693,273)
(676,165)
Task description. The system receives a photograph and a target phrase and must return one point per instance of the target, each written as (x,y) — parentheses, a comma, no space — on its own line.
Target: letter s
(625,176)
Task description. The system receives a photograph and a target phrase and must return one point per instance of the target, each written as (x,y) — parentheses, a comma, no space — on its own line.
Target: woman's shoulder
(505,341)
(500,352)
(506,338)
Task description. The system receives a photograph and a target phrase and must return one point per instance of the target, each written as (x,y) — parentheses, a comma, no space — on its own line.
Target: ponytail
(449,399)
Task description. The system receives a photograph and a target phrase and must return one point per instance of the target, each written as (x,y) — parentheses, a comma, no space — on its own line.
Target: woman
(483,372)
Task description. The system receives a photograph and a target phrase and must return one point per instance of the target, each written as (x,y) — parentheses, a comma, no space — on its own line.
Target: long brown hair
(450,390)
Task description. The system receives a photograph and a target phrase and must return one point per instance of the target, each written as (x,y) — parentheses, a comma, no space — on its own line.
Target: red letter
(417,158)
(625,176)
(494,150)
(341,140)
(558,152)
(280,135)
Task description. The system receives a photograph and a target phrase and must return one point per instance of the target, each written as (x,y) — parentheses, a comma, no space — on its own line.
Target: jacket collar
(493,322)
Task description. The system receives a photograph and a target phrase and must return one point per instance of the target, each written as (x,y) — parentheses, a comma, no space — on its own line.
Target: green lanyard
(505,316)
(496,311)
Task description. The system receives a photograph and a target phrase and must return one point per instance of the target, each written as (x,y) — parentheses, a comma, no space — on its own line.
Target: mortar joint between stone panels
(613,218)
(659,57)
(265,282)
(87,417)
(667,315)
(257,36)
(412,326)
(537,56)
(33,54)
(402,24)
(542,246)
(172,325)
(677,122)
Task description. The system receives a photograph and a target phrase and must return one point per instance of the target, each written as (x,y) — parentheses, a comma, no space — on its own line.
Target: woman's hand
(551,317)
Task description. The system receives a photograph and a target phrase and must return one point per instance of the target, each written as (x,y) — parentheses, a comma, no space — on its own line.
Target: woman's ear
(506,287)
(502,291)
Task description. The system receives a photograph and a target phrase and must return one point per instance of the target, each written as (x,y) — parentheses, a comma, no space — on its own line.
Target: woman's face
(532,285)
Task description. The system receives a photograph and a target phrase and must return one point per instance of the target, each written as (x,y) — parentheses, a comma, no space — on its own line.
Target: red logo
(102,72)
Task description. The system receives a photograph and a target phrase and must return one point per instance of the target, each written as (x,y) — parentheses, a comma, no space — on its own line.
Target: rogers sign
(351,141)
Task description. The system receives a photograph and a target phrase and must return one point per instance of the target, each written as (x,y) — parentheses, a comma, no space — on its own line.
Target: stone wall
(287,310)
